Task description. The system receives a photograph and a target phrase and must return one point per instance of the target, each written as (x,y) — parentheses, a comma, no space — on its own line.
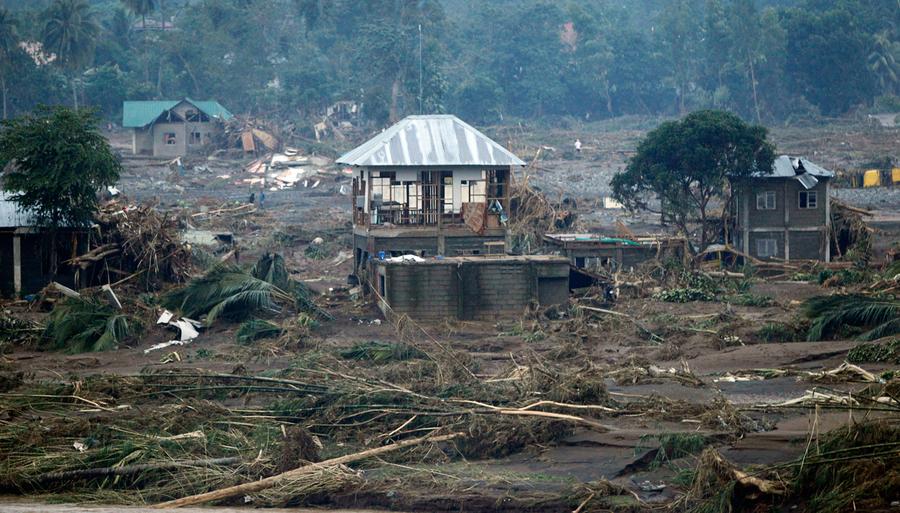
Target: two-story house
(429,185)
(786,214)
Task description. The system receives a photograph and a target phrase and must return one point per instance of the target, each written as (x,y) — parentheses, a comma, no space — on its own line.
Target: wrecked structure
(786,214)
(25,252)
(429,185)
(172,128)
(594,251)
(470,288)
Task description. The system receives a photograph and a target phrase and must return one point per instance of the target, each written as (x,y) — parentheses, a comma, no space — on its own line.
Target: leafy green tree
(683,166)
(8,41)
(832,40)
(680,39)
(57,161)
(70,32)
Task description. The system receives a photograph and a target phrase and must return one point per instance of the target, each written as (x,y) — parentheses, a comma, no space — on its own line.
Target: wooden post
(17,264)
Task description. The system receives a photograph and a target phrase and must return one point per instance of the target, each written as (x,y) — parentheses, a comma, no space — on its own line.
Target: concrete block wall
(472,290)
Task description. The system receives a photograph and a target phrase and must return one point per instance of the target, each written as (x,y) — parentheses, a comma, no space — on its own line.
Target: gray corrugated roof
(10,214)
(783,167)
(434,140)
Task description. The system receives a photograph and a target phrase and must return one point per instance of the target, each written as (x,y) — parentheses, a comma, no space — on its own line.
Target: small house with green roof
(172,128)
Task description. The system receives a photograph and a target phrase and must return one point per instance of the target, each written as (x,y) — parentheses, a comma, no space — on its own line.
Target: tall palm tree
(140,8)
(883,63)
(70,32)
(8,40)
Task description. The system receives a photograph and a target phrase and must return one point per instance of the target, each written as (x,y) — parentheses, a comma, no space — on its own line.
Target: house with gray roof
(172,128)
(786,214)
(429,185)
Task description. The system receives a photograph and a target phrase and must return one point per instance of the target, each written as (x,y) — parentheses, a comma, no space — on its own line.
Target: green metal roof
(137,114)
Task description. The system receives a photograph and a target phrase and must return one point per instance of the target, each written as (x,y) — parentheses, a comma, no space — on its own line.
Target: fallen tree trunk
(269,482)
(127,470)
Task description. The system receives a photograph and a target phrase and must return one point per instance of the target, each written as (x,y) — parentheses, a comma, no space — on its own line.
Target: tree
(57,161)
(8,40)
(686,164)
(70,32)
(140,8)
(883,63)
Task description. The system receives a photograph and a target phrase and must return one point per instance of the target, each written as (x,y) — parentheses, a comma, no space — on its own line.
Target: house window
(765,200)
(192,115)
(169,137)
(809,199)
(195,138)
(766,248)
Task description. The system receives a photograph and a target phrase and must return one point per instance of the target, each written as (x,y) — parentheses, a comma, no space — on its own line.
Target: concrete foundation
(469,288)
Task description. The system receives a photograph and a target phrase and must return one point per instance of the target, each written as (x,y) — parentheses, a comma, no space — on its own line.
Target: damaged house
(172,128)
(786,214)
(430,208)
(25,252)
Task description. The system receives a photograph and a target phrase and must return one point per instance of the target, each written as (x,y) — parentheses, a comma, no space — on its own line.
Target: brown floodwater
(32,507)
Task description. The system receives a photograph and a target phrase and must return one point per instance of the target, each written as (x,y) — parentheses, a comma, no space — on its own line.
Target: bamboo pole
(269,482)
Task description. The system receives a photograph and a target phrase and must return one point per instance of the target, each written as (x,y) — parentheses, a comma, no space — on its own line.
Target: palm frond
(228,291)
(255,329)
(83,324)
(830,313)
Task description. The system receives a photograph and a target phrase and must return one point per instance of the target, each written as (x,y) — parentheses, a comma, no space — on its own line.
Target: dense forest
(767,61)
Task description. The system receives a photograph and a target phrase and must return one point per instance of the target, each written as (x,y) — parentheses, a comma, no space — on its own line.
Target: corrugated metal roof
(10,214)
(784,167)
(434,140)
(136,114)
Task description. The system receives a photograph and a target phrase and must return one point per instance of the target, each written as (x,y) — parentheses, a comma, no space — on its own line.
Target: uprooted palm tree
(877,316)
(230,292)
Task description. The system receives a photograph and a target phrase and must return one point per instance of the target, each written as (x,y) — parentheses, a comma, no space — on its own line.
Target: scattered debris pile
(135,242)
(533,215)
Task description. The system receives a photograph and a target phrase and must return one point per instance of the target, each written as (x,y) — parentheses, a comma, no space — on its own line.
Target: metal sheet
(434,140)
(788,167)
(10,214)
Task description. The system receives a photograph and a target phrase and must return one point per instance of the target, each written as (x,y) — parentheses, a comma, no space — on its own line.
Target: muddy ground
(709,341)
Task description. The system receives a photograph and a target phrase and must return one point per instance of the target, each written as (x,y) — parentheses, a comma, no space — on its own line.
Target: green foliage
(255,329)
(885,352)
(225,291)
(487,61)
(685,165)
(843,277)
(70,32)
(59,161)
(230,292)
(673,446)
(382,352)
(684,295)
(750,299)
(876,316)
(81,325)
(778,332)
(316,252)
(853,468)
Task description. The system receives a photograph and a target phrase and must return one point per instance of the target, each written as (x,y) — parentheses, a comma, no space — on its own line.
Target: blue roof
(136,114)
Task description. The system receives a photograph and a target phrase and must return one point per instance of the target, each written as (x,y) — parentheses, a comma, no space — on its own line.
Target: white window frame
(812,200)
(765,197)
(762,248)
(169,141)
